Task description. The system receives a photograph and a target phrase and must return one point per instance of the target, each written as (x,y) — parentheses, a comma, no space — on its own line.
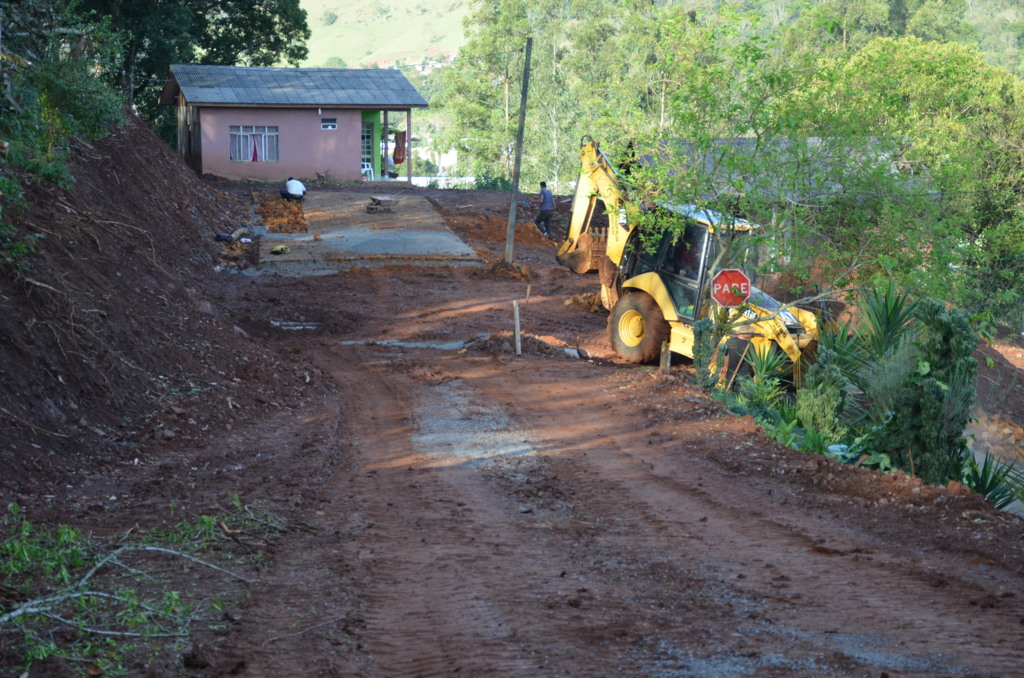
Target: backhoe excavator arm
(598,181)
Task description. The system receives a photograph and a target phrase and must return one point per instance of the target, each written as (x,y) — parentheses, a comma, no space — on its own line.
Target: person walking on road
(547,207)
(293,190)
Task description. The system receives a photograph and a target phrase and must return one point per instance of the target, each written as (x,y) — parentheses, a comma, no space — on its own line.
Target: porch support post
(408,145)
(387,144)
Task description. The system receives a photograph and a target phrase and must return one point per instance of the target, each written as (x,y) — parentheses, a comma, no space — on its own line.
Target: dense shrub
(893,392)
(933,407)
(487,182)
(821,402)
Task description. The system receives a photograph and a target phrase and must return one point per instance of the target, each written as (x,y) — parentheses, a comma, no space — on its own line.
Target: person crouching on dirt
(293,190)
(547,206)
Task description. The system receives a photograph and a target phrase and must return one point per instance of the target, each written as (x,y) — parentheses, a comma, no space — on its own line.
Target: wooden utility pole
(510,236)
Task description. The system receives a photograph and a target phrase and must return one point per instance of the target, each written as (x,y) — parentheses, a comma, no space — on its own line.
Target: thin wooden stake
(666,358)
(515,314)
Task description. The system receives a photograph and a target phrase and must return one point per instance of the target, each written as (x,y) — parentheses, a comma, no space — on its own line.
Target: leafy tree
(850,23)
(990,279)
(158,34)
(882,163)
(953,120)
(482,90)
(252,32)
(583,54)
(50,96)
(863,158)
(999,27)
(49,67)
(940,21)
(232,32)
(551,138)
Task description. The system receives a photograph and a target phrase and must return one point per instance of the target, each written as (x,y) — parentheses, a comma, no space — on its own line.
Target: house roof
(369,88)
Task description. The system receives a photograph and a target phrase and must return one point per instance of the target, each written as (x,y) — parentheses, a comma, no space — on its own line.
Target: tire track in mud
(515,528)
(451,582)
(826,591)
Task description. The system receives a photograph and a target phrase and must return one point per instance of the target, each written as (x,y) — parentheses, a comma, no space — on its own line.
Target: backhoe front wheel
(637,328)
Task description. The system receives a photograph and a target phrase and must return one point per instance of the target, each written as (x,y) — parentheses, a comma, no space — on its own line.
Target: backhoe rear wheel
(637,328)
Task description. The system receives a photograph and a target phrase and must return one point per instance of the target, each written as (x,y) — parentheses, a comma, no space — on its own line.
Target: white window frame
(263,139)
(366,142)
(328,124)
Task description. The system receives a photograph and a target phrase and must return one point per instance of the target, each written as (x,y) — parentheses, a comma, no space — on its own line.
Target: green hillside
(383,32)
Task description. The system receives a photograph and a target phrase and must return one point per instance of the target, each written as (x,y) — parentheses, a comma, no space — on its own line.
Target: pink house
(273,123)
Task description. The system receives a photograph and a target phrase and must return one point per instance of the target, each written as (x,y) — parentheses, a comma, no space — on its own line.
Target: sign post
(730,287)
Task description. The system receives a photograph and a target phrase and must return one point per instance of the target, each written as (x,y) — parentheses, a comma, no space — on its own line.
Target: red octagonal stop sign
(730,287)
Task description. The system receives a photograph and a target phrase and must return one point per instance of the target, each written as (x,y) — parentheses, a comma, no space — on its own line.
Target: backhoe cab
(657,291)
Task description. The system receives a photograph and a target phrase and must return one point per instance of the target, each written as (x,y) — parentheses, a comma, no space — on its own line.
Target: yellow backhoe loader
(657,288)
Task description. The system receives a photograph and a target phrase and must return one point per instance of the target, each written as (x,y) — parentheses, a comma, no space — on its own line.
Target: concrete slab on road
(342,235)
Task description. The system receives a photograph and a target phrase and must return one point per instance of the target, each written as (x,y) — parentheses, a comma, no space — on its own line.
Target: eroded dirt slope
(112,344)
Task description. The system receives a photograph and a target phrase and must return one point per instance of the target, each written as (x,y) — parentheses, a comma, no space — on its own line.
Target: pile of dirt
(996,435)
(1000,379)
(280,215)
(504,270)
(503,343)
(589,301)
(483,215)
(239,254)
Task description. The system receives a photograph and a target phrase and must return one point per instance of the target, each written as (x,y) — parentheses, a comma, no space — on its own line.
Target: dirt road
(476,513)
(499,521)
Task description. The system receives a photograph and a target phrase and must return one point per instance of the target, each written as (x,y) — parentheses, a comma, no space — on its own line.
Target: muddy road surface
(516,518)
(472,512)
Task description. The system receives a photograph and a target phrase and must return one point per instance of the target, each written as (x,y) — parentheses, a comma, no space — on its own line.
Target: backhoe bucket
(577,256)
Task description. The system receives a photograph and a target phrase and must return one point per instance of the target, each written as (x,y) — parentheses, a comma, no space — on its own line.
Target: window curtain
(254,144)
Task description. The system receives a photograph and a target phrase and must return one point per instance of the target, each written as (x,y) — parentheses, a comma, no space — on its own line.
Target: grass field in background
(358,34)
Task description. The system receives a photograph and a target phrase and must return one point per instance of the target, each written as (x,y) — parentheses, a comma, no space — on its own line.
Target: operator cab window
(683,258)
(680,261)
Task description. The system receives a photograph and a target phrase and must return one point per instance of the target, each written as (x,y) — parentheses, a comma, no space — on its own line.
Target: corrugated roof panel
(295,86)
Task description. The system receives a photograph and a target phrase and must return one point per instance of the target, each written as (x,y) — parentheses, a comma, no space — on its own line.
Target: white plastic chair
(367,172)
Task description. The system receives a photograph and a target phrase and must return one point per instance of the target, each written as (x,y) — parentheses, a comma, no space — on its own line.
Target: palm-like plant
(768,363)
(888,321)
(878,355)
(1001,484)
